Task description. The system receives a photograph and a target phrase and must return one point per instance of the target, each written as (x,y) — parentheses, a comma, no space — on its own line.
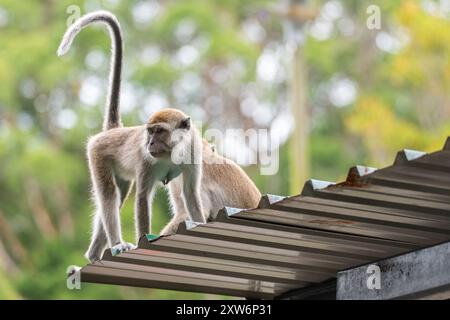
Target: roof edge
(447,144)
(313,185)
(406,155)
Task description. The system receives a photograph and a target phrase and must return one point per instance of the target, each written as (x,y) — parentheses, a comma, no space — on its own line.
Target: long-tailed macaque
(167,150)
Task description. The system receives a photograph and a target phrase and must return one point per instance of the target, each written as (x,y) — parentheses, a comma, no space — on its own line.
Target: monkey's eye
(155,130)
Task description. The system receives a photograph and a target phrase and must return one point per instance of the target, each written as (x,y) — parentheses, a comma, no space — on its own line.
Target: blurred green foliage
(401,75)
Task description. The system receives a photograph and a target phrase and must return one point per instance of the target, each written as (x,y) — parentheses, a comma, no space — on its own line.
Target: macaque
(167,150)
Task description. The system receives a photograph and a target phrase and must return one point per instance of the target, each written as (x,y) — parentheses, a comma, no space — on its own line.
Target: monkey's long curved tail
(112,117)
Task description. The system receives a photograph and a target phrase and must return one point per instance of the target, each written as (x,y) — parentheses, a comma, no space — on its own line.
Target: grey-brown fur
(223,183)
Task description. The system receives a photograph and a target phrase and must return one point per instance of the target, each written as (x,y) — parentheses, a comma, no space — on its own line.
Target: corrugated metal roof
(294,242)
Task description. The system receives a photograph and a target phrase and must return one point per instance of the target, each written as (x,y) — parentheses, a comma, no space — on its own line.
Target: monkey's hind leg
(99,240)
(108,200)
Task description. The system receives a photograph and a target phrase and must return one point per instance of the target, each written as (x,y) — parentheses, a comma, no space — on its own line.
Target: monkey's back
(119,146)
(226,184)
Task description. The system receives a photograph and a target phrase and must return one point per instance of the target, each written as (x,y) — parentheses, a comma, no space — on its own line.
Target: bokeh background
(232,64)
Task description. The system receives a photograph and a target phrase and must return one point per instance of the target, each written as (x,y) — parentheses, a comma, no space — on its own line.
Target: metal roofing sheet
(290,243)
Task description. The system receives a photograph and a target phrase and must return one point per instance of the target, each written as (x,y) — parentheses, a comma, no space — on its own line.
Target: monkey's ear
(185,123)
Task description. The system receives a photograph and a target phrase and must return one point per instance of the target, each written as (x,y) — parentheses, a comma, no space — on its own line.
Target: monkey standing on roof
(145,154)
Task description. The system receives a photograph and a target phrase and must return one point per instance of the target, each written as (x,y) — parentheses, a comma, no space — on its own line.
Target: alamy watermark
(374,278)
(249,147)
(246,147)
(373,21)
(74,13)
(73,278)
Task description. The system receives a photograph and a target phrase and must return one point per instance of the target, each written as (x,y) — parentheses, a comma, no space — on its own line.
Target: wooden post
(299,162)
(295,15)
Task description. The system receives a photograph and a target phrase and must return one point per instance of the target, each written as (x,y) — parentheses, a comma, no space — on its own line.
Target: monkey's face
(164,136)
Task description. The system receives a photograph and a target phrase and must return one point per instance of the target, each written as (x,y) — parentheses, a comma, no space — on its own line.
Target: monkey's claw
(122,247)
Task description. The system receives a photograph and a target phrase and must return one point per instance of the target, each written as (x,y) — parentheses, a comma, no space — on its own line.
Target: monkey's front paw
(122,247)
